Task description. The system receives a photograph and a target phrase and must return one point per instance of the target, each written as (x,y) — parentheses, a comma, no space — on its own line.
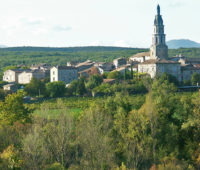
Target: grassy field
(54,113)
(75,106)
(54,107)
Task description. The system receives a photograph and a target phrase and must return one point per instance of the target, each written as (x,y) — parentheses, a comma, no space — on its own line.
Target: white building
(10,87)
(11,76)
(63,73)
(140,57)
(26,76)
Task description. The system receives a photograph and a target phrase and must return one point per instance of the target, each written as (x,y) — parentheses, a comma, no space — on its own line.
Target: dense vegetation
(54,56)
(157,128)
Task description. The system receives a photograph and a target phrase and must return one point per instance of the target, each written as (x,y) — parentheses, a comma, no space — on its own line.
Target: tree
(35,88)
(195,79)
(131,71)
(95,141)
(72,88)
(56,89)
(94,81)
(115,75)
(170,78)
(50,141)
(81,90)
(13,109)
(125,75)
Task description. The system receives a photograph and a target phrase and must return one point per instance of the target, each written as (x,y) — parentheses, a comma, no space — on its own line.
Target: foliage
(2,94)
(168,77)
(72,88)
(115,75)
(10,158)
(35,88)
(13,109)
(55,89)
(195,79)
(156,130)
(2,83)
(94,81)
(81,90)
(10,68)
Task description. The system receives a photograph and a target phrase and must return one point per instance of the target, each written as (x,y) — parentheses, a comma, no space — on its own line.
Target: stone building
(11,76)
(85,65)
(26,76)
(63,73)
(10,87)
(158,67)
(140,57)
(119,62)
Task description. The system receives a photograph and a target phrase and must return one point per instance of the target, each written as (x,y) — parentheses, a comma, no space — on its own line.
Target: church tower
(159,49)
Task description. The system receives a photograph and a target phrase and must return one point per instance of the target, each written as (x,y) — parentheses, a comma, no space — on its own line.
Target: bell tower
(159,49)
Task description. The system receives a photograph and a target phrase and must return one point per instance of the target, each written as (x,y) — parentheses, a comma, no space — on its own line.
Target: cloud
(31,21)
(61,28)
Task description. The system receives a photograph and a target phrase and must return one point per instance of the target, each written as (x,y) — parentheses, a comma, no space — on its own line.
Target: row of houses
(68,73)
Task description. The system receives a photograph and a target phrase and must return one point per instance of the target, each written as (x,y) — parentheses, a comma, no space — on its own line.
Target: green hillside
(54,56)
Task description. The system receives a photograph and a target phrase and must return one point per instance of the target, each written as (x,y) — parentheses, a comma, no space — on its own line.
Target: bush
(55,89)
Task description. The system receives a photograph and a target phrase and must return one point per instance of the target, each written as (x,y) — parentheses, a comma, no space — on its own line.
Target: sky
(67,23)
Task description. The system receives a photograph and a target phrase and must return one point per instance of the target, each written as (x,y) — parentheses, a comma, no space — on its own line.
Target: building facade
(26,76)
(119,62)
(11,76)
(63,73)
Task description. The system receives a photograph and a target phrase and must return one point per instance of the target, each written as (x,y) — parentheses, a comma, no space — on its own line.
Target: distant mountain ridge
(182,43)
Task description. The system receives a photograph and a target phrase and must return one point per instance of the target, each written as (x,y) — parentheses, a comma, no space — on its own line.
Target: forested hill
(54,56)
(68,49)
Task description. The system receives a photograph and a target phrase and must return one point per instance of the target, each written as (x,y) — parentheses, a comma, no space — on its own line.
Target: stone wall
(147,68)
(173,69)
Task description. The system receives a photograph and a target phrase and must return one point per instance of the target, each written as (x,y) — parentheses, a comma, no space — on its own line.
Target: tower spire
(159,48)
(158,9)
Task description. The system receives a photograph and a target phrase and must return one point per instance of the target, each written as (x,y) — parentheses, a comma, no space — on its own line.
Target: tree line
(117,132)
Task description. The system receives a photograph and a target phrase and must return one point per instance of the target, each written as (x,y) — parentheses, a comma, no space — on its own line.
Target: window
(53,72)
(54,79)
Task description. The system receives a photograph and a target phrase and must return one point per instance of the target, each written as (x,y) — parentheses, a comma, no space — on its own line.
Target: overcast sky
(63,23)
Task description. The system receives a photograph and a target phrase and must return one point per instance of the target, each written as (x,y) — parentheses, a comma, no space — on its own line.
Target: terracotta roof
(164,61)
(141,54)
(196,65)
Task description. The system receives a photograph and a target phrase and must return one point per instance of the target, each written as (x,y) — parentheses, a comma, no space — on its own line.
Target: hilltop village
(153,63)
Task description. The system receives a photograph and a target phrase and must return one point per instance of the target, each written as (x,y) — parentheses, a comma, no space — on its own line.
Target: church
(156,61)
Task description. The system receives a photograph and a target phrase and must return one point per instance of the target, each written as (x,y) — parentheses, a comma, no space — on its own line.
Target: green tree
(81,90)
(56,89)
(95,141)
(35,88)
(195,79)
(72,88)
(115,75)
(94,81)
(13,109)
